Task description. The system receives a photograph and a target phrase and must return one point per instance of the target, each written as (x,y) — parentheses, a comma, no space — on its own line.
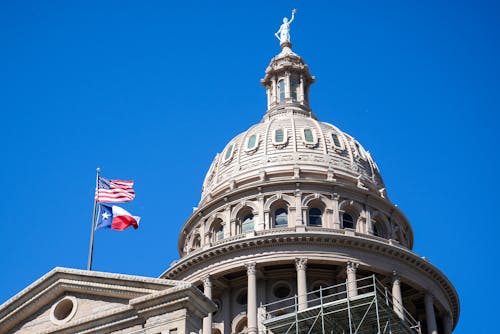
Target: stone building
(294,233)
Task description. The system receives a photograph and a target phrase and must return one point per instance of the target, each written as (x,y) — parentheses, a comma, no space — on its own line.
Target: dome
(290,141)
(291,144)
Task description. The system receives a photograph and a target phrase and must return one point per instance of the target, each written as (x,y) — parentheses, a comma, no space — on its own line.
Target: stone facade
(77,301)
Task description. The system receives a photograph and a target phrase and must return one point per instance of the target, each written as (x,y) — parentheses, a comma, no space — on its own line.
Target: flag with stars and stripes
(114,191)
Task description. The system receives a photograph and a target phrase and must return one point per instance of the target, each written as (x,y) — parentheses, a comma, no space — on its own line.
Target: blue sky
(153,90)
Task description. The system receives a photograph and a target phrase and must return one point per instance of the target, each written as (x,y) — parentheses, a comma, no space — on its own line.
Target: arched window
(196,242)
(315,217)
(347,221)
(247,223)
(281,87)
(219,233)
(281,218)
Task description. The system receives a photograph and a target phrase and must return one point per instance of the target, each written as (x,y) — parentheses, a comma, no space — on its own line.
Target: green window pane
(251,141)
(229,152)
(308,136)
(278,136)
(336,140)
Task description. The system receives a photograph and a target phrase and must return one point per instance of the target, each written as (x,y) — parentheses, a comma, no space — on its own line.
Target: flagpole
(91,247)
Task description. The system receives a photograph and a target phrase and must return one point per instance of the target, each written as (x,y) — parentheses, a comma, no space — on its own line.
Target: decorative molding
(301,263)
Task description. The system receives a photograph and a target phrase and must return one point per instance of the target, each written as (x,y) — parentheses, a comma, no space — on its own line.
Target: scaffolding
(336,310)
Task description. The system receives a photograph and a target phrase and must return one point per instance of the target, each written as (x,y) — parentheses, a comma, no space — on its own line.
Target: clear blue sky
(153,90)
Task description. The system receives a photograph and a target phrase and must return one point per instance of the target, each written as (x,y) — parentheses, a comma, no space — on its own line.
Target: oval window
(252,140)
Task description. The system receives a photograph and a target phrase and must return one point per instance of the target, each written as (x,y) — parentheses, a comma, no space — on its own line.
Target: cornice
(290,236)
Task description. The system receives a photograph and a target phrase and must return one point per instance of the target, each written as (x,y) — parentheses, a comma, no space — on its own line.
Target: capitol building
(294,233)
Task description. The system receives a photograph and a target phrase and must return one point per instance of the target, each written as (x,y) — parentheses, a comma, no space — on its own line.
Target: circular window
(63,310)
(281,291)
(242,298)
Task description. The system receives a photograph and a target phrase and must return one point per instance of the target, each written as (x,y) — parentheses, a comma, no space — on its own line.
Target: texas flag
(115,218)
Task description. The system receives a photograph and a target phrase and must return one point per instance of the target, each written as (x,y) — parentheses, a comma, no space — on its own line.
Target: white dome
(309,149)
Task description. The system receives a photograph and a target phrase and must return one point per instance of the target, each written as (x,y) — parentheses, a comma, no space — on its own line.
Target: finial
(283,33)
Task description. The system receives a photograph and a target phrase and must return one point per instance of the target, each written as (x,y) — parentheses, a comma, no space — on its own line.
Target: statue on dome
(283,34)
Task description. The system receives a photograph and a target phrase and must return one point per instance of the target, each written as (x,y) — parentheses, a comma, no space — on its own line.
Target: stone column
(352,285)
(447,323)
(298,209)
(260,224)
(430,316)
(397,297)
(252,298)
(336,212)
(301,265)
(207,290)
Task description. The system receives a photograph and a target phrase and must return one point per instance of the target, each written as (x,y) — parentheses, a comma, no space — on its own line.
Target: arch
(237,209)
(245,219)
(349,207)
(271,201)
(381,226)
(239,324)
(306,200)
(195,242)
(217,230)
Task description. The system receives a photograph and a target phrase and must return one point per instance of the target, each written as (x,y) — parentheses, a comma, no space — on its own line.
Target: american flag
(114,191)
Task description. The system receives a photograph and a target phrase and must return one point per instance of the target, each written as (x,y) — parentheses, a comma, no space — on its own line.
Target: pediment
(65,296)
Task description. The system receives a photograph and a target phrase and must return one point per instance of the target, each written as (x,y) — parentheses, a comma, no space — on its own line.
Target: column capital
(395,278)
(207,281)
(352,266)
(301,263)
(251,268)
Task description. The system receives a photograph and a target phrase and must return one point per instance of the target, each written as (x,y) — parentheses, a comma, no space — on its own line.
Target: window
(281,87)
(229,153)
(219,233)
(282,290)
(281,218)
(279,136)
(293,89)
(247,224)
(315,217)
(252,140)
(361,151)
(347,221)
(308,136)
(336,141)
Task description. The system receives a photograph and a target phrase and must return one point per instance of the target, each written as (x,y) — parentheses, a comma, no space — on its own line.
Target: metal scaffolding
(332,310)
